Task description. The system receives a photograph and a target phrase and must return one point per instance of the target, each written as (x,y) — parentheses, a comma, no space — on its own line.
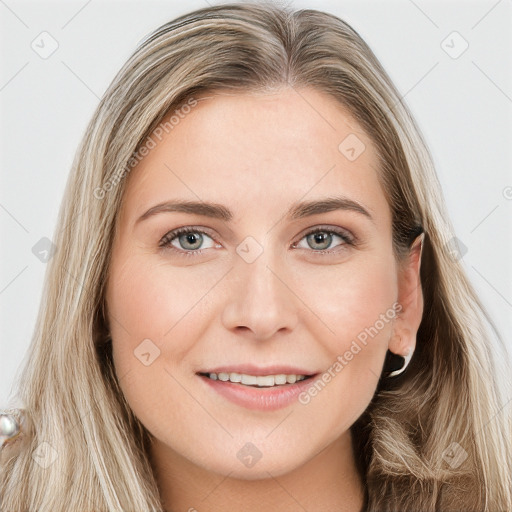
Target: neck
(329,482)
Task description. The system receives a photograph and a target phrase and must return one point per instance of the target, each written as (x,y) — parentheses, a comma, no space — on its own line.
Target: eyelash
(165,242)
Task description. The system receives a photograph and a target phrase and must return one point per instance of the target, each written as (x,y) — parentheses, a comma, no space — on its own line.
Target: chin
(261,470)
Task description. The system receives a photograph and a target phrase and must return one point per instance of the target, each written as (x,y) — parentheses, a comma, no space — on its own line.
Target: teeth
(280,379)
(235,377)
(257,380)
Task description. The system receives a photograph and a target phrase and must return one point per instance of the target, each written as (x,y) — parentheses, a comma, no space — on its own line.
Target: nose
(260,301)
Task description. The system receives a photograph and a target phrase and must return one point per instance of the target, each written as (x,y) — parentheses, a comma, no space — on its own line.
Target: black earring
(395,364)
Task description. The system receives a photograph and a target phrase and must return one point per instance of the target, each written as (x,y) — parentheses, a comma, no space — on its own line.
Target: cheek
(350,297)
(149,298)
(142,307)
(354,315)
(155,320)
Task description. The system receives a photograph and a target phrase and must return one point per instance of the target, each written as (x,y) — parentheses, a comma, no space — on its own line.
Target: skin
(256,154)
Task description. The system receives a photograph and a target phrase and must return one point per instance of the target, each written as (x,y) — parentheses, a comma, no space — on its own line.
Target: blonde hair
(69,388)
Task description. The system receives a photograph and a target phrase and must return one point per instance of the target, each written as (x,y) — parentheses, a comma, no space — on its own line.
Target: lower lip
(261,399)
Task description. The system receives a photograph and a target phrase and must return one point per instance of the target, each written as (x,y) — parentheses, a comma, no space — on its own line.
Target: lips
(255,397)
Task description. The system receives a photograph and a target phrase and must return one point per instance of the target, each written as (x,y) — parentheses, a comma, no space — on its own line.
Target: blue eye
(189,240)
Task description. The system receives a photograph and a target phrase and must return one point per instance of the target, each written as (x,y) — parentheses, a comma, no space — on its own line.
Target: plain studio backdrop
(450,61)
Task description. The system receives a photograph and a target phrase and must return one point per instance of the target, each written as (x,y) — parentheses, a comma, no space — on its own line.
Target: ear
(410,298)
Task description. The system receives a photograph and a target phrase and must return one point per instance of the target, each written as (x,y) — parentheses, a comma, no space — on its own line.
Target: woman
(318,347)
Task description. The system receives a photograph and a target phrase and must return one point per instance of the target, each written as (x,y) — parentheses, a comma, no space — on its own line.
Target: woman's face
(250,290)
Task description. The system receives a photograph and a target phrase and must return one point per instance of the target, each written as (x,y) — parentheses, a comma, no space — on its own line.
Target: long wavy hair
(447,406)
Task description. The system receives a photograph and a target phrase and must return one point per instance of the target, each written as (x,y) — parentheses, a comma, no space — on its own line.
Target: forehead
(263,150)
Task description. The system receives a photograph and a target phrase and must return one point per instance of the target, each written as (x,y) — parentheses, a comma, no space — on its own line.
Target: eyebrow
(298,210)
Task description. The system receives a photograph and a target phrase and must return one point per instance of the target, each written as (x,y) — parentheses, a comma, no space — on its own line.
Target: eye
(186,240)
(321,238)
(189,240)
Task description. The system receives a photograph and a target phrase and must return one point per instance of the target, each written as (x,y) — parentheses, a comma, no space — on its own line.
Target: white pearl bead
(8,426)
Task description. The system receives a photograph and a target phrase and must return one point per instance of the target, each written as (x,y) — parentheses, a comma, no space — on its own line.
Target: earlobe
(403,341)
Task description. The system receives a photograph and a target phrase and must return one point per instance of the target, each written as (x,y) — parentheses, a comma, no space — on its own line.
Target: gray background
(463,106)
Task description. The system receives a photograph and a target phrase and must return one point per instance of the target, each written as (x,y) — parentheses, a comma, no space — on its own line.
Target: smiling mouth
(256,381)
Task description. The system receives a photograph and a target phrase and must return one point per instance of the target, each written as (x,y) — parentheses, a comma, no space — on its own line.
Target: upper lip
(250,369)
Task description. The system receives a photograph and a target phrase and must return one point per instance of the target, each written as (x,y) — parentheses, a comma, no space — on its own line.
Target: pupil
(192,238)
(322,238)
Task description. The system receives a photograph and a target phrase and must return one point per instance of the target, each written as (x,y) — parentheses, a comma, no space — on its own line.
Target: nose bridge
(259,300)
(260,276)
